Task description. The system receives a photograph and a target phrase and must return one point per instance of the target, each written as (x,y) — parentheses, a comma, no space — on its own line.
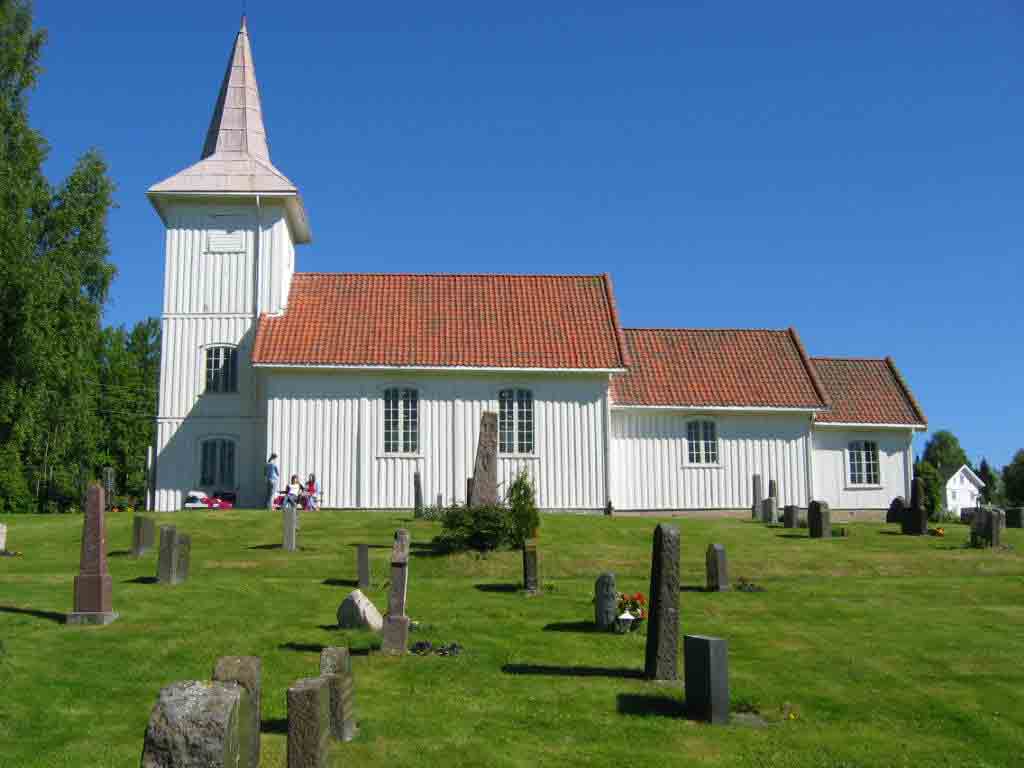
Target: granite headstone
(706,678)
(606,601)
(661,661)
(819,520)
(309,722)
(531,567)
(195,725)
(93,583)
(717,568)
(247,672)
(485,468)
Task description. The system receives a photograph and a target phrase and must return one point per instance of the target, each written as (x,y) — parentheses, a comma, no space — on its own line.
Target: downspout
(608,442)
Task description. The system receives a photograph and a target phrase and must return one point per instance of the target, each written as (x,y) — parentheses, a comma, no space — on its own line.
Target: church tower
(233,221)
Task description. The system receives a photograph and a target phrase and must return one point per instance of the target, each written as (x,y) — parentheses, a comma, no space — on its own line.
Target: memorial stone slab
(758,496)
(143,535)
(336,666)
(606,601)
(309,722)
(609,509)
(706,678)
(417,495)
(996,525)
(167,563)
(395,638)
(769,510)
(363,556)
(3,537)
(531,567)
(290,527)
(819,520)
(661,660)
(485,468)
(897,509)
(335,660)
(93,583)
(1014,518)
(247,672)
(183,556)
(773,490)
(790,517)
(194,725)
(357,612)
(717,568)
(915,519)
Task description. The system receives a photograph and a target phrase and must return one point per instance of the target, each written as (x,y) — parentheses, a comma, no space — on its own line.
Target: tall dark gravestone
(1015,517)
(143,535)
(819,520)
(717,568)
(396,626)
(363,557)
(417,494)
(773,491)
(531,567)
(706,677)
(758,496)
(915,519)
(93,583)
(790,517)
(606,601)
(769,510)
(484,490)
(661,660)
(897,509)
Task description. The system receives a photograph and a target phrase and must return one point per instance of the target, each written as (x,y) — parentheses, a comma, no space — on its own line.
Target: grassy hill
(874,650)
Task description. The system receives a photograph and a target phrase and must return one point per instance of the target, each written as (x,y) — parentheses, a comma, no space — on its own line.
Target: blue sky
(854,171)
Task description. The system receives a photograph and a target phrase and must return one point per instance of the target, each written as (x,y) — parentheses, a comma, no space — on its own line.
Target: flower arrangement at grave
(632,611)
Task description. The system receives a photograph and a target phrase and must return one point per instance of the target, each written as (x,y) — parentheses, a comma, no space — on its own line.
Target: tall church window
(702,442)
(401,420)
(221,369)
(864,467)
(515,421)
(217,466)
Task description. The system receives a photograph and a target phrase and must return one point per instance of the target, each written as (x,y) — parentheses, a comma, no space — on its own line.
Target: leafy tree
(1013,480)
(943,452)
(934,488)
(991,493)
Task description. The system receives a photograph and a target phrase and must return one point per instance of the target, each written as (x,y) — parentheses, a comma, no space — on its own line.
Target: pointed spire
(237,124)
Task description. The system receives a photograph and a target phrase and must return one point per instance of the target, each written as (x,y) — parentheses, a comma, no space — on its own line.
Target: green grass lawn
(889,650)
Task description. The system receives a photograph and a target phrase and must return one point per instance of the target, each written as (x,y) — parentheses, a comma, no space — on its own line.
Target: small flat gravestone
(143,535)
(769,510)
(706,678)
(531,567)
(247,672)
(194,725)
(755,510)
(336,666)
(484,490)
(357,612)
(819,520)
(717,568)
(661,659)
(363,556)
(790,517)
(606,601)
(93,582)
(309,722)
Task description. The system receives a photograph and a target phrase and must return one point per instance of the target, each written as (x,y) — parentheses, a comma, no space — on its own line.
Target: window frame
(515,430)
(221,445)
(702,442)
(402,411)
(233,377)
(852,450)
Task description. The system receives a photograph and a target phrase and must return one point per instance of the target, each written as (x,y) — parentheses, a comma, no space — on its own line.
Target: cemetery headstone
(417,493)
(897,508)
(531,567)
(182,554)
(440,501)
(357,612)
(661,657)
(108,485)
(987,527)
(396,626)
(996,525)
(143,535)
(790,516)
(336,666)
(290,527)
(606,601)
(469,490)
(819,520)
(3,537)
(93,583)
(609,509)
(773,490)
(485,468)
(309,722)
(175,550)
(1014,518)
(758,496)
(363,556)
(769,511)
(717,568)
(915,519)
(247,672)
(194,725)
(706,678)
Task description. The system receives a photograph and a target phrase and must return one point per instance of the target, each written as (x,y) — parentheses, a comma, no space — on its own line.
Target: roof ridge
(457,274)
(849,359)
(753,330)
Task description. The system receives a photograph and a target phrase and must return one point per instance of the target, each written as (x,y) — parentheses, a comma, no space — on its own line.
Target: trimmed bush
(524,519)
(481,528)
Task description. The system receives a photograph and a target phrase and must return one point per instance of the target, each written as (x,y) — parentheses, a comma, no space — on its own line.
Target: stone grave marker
(531,567)
(758,496)
(609,509)
(773,490)
(790,517)
(93,583)
(484,490)
(996,526)
(717,568)
(109,486)
(309,722)
(661,660)
(357,612)
(183,555)
(290,527)
(769,510)
(987,526)
(396,626)
(915,519)
(469,489)
(363,556)
(3,537)
(706,678)
(606,601)
(417,494)
(819,520)
(1014,518)
(175,550)
(247,672)
(143,535)
(194,725)
(336,666)
(897,508)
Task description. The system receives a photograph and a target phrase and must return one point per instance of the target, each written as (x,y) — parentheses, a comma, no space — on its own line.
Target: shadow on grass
(890,533)
(692,588)
(329,627)
(302,647)
(265,546)
(340,582)
(553,671)
(646,705)
(501,588)
(423,549)
(587,627)
(274,725)
(373,546)
(51,615)
(792,536)
(141,580)
(119,553)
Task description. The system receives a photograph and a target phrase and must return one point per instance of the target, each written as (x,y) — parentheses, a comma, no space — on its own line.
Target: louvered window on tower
(225,234)
(221,369)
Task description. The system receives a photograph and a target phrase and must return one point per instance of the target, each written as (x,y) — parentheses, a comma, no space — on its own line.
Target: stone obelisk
(93,583)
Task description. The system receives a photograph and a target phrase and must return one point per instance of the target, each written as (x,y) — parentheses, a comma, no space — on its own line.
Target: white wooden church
(364,379)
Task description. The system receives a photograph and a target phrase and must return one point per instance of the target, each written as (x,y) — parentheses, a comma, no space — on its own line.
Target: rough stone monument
(417,495)
(769,510)
(396,626)
(897,509)
(987,526)
(93,583)
(755,510)
(357,612)
(143,535)
(336,666)
(819,520)
(790,516)
(661,660)
(290,527)
(717,568)
(309,722)
(484,490)
(247,672)
(606,601)
(175,550)
(363,556)
(706,677)
(531,567)
(194,725)
(915,519)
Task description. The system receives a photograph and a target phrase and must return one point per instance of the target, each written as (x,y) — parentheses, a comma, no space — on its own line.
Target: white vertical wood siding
(649,460)
(331,423)
(831,462)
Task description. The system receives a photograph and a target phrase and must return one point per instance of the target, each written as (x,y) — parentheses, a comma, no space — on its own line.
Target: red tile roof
(497,321)
(706,367)
(866,391)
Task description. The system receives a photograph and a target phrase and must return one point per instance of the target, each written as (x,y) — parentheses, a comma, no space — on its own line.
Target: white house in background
(364,379)
(963,490)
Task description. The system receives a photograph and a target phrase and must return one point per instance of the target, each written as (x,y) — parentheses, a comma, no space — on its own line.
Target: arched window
(217,465)
(515,421)
(221,369)
(702,442)
(401,420)
(864,463)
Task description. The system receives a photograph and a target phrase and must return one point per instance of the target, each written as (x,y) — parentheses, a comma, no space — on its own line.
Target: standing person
(311,491)
(272,475)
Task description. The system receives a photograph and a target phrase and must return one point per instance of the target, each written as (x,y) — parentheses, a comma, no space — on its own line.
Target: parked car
(201,500)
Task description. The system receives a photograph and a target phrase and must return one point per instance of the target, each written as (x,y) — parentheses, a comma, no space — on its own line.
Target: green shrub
(480,528)
(524,520)
(15,495)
